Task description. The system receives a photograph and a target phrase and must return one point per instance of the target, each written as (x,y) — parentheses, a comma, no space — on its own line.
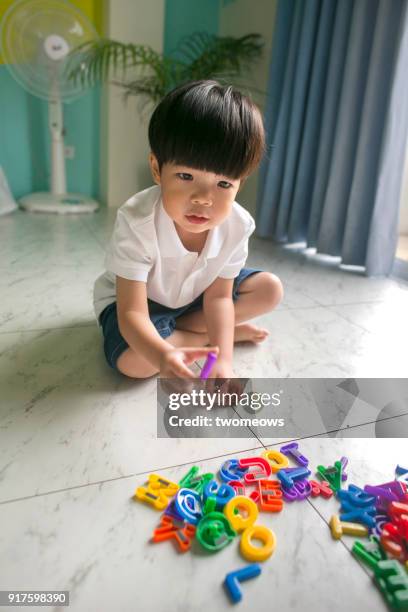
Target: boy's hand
(173,363)
(223,370)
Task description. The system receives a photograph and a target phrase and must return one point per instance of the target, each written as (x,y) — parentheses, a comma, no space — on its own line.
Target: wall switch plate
(69,152)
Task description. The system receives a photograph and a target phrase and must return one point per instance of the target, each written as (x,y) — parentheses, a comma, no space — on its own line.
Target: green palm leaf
(198,56)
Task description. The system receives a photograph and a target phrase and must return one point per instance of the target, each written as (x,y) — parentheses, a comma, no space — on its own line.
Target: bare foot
(247,332)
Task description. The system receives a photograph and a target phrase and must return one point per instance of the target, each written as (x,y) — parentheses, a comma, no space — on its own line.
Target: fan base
(68,203)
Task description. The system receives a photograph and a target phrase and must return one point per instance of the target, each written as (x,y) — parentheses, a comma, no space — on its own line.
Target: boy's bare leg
(259,293)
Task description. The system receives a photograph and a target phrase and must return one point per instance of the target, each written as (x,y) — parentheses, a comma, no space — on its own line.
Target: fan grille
(24,29)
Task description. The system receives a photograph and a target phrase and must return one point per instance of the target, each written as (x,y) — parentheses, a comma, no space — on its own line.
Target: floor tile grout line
(359,303)
(286,309)
(251,430)
(367,331)
(108,480)
(48,329)
(319,435)
(32,330)
(263,445)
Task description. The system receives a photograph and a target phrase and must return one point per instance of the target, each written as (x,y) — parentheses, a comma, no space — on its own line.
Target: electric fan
(36,37)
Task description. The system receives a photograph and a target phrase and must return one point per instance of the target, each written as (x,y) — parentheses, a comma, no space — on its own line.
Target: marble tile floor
(93,541)
(76,437)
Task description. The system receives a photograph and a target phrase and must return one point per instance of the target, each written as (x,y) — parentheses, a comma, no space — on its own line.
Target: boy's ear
(154,168)
(241,184)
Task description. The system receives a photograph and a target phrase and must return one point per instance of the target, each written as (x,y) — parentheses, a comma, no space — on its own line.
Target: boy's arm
(134,321)
(219,313)
(142,336)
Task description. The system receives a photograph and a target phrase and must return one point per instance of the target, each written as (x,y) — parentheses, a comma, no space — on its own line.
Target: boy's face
(196,200)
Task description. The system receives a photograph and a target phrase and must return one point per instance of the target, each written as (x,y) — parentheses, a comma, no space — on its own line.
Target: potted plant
(141,71)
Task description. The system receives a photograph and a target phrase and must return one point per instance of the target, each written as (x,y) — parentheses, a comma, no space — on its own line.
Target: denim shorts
(162,317)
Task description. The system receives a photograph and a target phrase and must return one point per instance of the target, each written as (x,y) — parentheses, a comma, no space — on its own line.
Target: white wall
(124,141)
(237,19)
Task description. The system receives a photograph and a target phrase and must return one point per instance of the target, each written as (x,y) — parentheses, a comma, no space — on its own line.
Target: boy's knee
(271,289)
(135,366)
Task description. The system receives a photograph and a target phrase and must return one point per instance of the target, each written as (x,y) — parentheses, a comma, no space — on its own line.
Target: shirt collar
(171,245)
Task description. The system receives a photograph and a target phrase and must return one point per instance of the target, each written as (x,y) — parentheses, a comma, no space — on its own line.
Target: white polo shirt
(145,246)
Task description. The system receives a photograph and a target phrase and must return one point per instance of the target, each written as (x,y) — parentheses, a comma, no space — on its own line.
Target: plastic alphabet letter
(356,505)
(232,579)
(370,552)
(392,580)
(321,488)
(214,531)
(270,495)
(338,528)
(292,449)
(193,480)
(399,516)
(392,541)
(238,521)
(288,476)
(181,531)
(401,474)
(263,471)
(222,493)
(230,470)
(277,460)
(188,505)
(357,497)
(333,475)
(157,492)
(252,552)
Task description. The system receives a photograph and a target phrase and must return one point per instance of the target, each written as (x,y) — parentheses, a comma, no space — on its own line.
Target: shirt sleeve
(129,253)
(238,257)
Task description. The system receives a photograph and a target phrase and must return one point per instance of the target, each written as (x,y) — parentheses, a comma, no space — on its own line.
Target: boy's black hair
(209,127)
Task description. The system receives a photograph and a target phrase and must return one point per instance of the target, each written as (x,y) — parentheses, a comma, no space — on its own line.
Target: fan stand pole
(58,178)
(57,200)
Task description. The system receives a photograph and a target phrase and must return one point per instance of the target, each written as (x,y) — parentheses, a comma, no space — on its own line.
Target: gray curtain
(337,123)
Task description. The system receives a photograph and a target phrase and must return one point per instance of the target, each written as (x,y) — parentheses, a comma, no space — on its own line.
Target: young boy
(175,279)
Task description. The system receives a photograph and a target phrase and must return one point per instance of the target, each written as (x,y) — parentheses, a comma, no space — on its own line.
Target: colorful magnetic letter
(338,527)
(185,481)
(222,493)
(356,505)
(292,449)
(214,531)
(263,468)
(193,480)
(257,553)
(276,460)
(230,470)
(188,505)
(238,521)
(288,476)
(393,542)
(270,495)
(181,531)
(401,474)
(333,475)
(321,488)
(392,580)
(370,552)
(232,579)
(157,492)
(238,487)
